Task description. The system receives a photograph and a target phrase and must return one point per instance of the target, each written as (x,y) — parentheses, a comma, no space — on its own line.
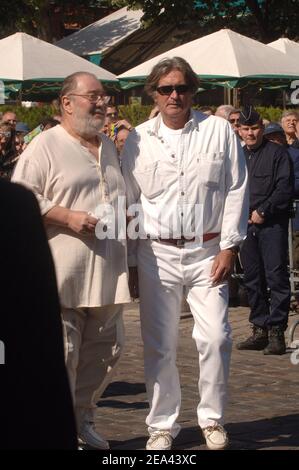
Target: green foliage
(32,116)
(266,20)
(135,114)
(45,18)
(271,113)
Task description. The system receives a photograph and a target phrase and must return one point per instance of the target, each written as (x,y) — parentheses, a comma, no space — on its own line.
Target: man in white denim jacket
(187,172)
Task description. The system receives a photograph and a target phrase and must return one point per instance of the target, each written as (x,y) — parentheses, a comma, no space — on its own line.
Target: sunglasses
(168,89)
(234,121)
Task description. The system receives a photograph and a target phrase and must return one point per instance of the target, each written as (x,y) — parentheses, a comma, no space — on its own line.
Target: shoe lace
(277,332)
(257,331)
(157,434)
(215,427)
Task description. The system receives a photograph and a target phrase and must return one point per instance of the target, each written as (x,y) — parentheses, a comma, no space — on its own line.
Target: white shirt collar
(195,119)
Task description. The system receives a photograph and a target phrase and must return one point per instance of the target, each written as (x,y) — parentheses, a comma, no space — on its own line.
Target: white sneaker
(159,440)
(216,437)
(89,436)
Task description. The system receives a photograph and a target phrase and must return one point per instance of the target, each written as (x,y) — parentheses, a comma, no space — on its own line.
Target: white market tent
(104,33)
(288,47)
(33,67)
(225,57)
(24,57)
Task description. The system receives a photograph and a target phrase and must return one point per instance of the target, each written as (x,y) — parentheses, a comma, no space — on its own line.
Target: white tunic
(62,172)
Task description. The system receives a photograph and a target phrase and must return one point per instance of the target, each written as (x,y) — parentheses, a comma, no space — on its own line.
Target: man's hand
(256,218)
(133,282)
(124,123)
(223,266)
(81,222)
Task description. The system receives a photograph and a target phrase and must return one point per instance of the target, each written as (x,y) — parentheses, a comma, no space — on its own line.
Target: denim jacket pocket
(150,180)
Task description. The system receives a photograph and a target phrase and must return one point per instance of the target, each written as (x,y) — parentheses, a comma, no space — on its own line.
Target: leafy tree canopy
(266,20)
(46,19)
(270,19)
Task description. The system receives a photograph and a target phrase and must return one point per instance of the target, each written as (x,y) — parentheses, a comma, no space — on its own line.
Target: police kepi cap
(249,117)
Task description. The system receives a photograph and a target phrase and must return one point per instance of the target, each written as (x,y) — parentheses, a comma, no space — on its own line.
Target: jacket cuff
(263,210)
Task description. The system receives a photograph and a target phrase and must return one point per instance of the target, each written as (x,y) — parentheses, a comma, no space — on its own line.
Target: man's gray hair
(224,111)
(290,112)
(233,111)
(164,67)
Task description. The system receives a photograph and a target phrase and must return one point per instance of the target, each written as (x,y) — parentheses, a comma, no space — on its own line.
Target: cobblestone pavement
(263,407)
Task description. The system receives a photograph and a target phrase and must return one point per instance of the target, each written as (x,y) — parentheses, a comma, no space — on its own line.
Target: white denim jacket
(208,170)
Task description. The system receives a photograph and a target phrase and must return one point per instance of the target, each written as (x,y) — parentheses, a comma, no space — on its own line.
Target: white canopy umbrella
(288,47)
(104,33)
(226,57)
(35,66)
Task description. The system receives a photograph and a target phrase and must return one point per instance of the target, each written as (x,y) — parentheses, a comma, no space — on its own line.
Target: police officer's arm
(283,186)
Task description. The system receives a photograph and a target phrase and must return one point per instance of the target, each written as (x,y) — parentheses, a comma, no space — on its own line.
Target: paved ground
(263,408)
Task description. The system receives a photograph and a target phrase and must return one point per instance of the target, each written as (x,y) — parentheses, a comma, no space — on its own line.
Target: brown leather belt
(180,242)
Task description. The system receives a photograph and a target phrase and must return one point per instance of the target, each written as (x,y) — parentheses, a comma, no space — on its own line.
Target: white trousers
(164,272)
(94,339)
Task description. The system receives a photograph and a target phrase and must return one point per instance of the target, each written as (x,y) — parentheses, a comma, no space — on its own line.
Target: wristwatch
(261,212)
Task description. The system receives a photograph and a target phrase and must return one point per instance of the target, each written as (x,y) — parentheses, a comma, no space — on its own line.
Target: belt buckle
(180,243)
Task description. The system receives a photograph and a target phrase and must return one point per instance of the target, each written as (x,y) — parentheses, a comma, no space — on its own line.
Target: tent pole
(235,98)
(284,99)
(19,100)
(226,95)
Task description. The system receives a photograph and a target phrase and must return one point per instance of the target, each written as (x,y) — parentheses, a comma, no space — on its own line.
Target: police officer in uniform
(264,254)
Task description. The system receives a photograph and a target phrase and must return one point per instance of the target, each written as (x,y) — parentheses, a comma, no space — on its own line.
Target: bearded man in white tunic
(73,169)
(187,172)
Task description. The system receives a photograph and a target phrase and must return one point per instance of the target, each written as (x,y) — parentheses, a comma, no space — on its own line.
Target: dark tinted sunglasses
(234,121)
(168,89)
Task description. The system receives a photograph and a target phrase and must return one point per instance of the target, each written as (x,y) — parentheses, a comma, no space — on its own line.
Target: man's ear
(66,104)
(154,97)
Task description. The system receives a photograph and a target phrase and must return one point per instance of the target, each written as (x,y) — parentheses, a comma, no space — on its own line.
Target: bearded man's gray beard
(87,127)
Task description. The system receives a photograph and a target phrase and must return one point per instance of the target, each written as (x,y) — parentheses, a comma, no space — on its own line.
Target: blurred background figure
(206,110)
(154,112)
(22,128)
(224,111)
(35,400)
(10,117)
(234,119)
(120,138)
(112,121)
(295,144)
(266,122)
(275,133)
(49,122)
(7,150)
(289,120)
(57,117)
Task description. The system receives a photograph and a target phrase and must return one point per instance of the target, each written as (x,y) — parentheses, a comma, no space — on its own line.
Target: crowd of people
(236,172)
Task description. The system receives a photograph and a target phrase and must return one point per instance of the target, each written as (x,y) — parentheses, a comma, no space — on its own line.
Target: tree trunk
(261,19)
(49,23)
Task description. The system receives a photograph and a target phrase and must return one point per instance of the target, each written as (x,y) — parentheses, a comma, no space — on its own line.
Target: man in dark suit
(35,402)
